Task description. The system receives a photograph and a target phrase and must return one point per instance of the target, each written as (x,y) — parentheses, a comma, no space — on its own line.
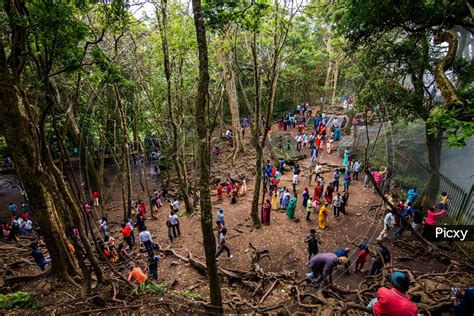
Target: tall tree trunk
(127,178)
(434,145)
(181,173)
(21,135)
(205,161)
(225,59)
(86,156)
(336,76)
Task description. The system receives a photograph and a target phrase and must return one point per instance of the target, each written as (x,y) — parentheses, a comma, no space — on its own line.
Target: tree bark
(226,60)
(127,178)
(181,173)
(258,162)
(21,134)
(205,161)
(336,76)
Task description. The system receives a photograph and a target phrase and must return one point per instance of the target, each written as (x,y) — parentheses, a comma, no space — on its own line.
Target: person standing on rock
(95,196)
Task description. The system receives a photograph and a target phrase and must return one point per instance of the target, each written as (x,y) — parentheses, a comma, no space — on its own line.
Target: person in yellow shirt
(323,215)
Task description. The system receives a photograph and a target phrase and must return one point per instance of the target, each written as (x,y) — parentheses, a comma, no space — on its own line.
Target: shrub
(18,300)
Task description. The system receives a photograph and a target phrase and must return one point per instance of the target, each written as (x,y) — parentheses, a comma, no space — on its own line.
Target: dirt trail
(283,238)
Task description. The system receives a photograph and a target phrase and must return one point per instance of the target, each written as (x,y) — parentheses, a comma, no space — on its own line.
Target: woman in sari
(337,134)
(292,207)
(323,215)
(318,140)
(347,153)
(329,145)
(275,200)
(266,213)
(285,200)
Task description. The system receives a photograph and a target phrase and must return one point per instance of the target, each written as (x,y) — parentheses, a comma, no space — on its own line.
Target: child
(219,192)
(220,216)
(309,209)
(363,254)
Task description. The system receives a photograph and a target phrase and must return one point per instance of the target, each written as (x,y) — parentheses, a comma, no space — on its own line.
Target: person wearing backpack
(382,257)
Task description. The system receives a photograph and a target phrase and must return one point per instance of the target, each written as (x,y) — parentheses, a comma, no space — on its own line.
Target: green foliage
(18,300)
(151,288)
(189,294)
(457,130)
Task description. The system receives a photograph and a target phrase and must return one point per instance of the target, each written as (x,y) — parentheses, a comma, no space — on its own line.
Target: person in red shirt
(394,301)
(219,192)
(95,196)
(127,235)
(362,258)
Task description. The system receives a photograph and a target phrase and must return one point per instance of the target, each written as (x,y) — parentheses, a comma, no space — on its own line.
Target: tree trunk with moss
(205,161)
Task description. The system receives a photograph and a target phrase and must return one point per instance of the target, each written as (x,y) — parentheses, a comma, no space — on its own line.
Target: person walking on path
(174,225)
(147,241)
(223,245)
(388,224)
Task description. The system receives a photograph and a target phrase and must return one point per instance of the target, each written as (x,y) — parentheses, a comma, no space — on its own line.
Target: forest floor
(283,238)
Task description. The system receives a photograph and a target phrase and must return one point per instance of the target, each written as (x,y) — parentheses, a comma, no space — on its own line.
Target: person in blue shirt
(413,195)
(407,213)
(12,207)
(37,254)
(220,216)
(344,252)
(466,298)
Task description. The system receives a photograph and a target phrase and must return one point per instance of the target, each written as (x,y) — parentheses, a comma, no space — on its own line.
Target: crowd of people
(327,191)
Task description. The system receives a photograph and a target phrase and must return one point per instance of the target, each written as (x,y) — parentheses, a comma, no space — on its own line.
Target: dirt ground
(283,238)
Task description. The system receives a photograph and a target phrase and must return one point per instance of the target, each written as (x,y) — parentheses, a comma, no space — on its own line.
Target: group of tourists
(410,212)
(19,224)
(234,188)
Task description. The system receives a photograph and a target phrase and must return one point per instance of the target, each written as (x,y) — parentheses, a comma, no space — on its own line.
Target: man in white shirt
(388,223)
(295,182)
(173,225)
(145,239)
(175,206)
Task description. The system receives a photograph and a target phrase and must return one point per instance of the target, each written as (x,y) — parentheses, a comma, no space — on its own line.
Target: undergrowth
(18,300)
(189,294)
(151,288)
